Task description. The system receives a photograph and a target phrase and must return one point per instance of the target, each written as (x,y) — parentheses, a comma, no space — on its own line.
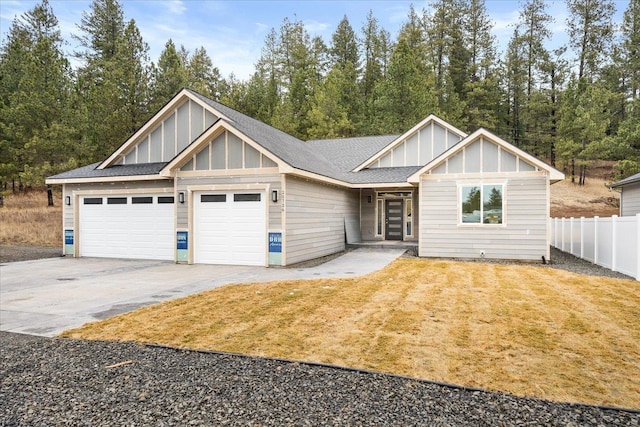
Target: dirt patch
(13,253)
(592,199)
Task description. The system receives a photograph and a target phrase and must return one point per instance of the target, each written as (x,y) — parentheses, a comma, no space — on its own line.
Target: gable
(485,153)
(417,147)
(226,150)
(171,133)
(483,156)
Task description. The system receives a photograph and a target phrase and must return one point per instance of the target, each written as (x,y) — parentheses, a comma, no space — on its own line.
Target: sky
(233,32)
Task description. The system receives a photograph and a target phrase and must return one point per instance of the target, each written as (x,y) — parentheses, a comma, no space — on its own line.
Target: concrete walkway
(45,297)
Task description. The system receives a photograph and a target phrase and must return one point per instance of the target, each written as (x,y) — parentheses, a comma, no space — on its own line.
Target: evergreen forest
(570,106)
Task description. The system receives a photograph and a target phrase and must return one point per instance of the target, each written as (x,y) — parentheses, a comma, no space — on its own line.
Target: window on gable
(482,204)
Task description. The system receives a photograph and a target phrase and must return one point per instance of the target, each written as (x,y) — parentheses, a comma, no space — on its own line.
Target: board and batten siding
(524,235)
(315,216)
(630,200)
(235,182)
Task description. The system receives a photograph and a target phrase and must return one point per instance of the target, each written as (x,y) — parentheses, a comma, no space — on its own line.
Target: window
(482,204)
(246,197)
(141,200)
(165,199)
(92,201)
(213,198)
(116,200)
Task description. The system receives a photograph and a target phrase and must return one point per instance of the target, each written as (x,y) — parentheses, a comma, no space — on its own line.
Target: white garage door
(230,228)
(127,226)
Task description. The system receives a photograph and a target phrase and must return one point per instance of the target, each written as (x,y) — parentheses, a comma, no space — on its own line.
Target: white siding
(630,200)
(523,236)
(315,215)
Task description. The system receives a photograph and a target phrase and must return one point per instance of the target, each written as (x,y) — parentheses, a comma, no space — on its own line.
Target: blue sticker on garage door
(275,248)
(68,242)
(275,242)
(182,246)
(68,237)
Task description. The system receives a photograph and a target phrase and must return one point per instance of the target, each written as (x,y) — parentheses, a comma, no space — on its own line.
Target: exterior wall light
(274,196)
(67,200)
(181,197)
(369,199)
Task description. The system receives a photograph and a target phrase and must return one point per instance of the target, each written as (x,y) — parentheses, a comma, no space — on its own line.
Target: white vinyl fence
(609,242)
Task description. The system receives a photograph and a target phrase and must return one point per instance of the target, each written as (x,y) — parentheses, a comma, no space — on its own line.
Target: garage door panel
(131,230)
(230,231)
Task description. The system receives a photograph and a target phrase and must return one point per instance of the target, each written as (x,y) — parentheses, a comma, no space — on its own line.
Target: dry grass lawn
(526,330)
(26,219)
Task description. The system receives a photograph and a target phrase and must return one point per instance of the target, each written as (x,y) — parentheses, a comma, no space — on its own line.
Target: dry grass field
(525,330)
(592,199)
(26,219)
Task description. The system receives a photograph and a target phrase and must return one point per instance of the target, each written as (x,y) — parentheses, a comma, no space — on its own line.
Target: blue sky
(233,32)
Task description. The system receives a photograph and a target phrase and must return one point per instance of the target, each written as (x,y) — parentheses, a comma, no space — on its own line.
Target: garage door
(127,226)
(230,228)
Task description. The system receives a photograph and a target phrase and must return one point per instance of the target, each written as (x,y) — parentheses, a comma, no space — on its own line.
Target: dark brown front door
(393,219)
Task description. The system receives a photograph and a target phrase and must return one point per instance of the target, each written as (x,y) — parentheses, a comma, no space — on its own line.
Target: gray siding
(630,200)
(368,222)
(315,213)
(523,237)
(273,180)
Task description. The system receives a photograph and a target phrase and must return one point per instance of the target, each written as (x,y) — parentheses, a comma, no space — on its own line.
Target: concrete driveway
(45,297)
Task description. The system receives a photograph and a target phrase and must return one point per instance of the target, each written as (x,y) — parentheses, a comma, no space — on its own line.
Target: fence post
(595,239)
(571,235)
(562,231)
(614,241)
(555,232)
(582,237)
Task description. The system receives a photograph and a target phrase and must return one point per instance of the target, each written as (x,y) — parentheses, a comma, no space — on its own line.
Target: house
(629,195)
(202,183)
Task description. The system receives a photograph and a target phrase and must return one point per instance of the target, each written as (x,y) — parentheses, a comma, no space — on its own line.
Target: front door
(393,219)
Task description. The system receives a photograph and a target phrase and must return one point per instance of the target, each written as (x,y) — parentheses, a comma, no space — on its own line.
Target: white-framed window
(482,204)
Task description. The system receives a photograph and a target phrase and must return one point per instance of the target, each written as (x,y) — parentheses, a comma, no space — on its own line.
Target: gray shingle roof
(90,171)
(332,158)
(629,180)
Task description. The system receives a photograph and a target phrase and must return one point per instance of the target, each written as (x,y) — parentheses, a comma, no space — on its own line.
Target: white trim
(481,184)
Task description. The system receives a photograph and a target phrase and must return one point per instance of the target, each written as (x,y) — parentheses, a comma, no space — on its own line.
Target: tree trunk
(49,196)
(573,171)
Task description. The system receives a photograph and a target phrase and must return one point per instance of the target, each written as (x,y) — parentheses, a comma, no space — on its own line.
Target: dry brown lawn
(26,219)
(526,330)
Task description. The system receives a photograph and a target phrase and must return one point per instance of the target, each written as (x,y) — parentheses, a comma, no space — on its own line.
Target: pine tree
(630,47)
(101,105)
(202,76)
(133,74)
(35,81)
(169,76)
(590,33)
(375,45)
(407,94)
